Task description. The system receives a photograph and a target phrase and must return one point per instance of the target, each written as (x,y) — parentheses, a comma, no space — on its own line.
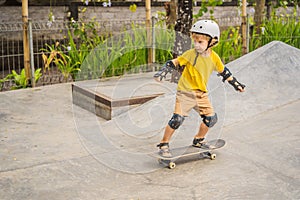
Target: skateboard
(189,151)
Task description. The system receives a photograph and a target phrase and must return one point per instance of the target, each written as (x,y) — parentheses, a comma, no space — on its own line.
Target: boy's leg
(203,129)
(199,139)
(206,111)
(173,124)
(184,103)
(208,122)
(168,134)
(200,136)
(164,143)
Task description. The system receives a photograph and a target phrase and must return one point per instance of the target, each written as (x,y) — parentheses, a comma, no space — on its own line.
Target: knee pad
(210,121)
(176,121)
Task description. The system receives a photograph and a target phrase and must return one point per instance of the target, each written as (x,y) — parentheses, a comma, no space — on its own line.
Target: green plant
(285,29)
(21,80)
(230,46)
(164,43)
(66,66)
(75,56)
(207,6)
(1,83)
(116,55)
(53,51)
(83,38)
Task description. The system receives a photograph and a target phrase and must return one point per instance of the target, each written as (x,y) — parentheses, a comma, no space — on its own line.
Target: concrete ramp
(271,74)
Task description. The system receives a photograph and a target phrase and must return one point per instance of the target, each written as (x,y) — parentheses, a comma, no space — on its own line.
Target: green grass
(282,29)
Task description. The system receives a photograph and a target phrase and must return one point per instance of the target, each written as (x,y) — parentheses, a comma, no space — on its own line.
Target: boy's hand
(162,73)
(241,89)
(237,85)
(158,79)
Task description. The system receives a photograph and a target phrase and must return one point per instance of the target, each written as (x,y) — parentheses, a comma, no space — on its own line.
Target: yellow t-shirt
(197,70)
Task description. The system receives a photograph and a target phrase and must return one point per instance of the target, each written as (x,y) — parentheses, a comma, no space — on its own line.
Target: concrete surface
(52,149)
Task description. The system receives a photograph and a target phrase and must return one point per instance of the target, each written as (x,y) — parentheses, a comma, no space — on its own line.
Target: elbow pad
(170,64)
(225,74)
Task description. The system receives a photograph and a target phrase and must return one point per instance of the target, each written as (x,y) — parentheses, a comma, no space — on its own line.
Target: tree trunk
(170,14)
(182,32)
(259,14)
(183,26)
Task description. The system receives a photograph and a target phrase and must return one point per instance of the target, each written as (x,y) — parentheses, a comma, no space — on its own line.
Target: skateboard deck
(189,151)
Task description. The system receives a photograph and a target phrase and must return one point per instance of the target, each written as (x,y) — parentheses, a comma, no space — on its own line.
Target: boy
(198,63)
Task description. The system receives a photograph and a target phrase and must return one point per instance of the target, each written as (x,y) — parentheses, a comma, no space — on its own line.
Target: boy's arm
(227,75)
(169,66)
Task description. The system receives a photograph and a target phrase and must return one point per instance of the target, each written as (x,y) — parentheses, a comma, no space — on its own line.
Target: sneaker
(164,150)
(200,143)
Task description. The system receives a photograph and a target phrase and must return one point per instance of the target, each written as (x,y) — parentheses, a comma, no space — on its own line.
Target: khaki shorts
(197,100)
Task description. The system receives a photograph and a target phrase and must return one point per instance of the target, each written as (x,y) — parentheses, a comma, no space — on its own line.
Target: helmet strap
(208,45)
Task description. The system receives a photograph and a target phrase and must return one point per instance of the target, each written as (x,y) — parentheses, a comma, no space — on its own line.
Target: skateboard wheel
(213,156)
(172,165)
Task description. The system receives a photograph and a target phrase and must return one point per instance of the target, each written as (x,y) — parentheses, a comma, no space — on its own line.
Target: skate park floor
(53,149)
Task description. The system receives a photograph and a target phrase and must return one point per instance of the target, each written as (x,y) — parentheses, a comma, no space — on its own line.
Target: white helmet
(207,27)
